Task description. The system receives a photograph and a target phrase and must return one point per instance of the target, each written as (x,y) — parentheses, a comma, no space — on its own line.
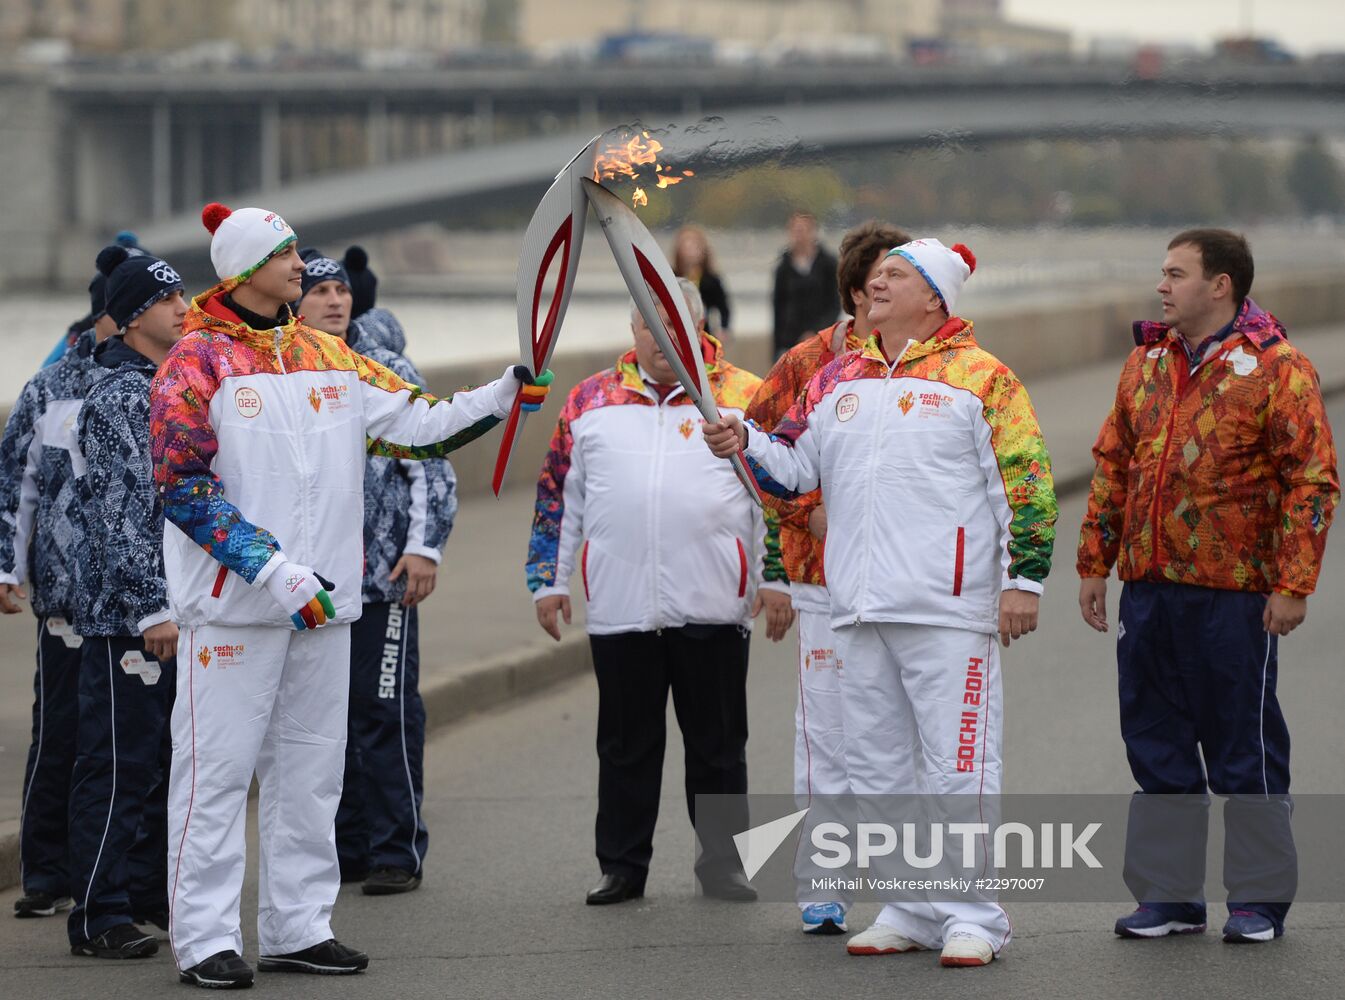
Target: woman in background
(693,259)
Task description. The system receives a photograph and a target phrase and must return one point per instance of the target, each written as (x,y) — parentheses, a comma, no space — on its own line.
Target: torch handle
(512,425)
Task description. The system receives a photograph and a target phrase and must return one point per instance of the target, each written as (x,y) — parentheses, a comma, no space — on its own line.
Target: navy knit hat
(363,282)
(135,281)
(319,269)
(98,286)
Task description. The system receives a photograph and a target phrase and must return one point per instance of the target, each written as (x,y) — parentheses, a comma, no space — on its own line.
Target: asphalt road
(510,809)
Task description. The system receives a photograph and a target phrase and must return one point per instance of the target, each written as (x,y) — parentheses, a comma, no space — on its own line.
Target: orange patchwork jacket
(799,550)
(1221,477)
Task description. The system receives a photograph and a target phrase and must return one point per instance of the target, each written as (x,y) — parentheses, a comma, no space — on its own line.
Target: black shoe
(733,886)
(388,881)
(349,875)
(224,970)
(330,958)
(39,904)
(121,941)
(613,889)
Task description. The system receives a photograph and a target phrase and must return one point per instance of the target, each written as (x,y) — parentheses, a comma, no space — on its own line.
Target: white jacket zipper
(874,457)
(279,336)
(656,477)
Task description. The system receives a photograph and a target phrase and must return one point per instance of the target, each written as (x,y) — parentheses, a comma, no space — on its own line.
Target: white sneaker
(880,940)
(962,948)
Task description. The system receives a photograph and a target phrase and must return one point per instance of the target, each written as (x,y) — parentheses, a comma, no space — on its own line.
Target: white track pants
(819,734)
(275,701)
(923,704)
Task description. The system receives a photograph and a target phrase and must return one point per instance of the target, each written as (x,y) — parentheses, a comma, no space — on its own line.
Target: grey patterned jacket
(42,530)
(408,506)
(120,588)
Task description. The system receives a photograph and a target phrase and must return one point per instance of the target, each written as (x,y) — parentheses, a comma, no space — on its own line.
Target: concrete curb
(505,677)
(516,674)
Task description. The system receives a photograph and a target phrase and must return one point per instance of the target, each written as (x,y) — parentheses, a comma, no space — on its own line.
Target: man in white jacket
(259,428)
(940,524)
(674,560)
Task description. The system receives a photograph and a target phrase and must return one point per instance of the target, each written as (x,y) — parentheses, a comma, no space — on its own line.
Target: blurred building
(978,28)
(111,26)
(86,25)
(548,24)
(354,25)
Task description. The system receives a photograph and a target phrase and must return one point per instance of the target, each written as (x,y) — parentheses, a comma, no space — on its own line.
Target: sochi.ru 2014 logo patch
(204,656)
(847,406)
(685,428)
(248,401)
(337,397)
(906,401)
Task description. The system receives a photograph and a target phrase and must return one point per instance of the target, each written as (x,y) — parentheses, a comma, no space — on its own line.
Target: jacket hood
(1253,322)
(85,343)
(378,328)
(115,353)
(955,335)
(208,312)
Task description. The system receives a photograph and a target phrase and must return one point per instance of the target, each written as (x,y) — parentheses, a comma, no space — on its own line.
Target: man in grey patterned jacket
(408,513)
(118,788)
(42,537)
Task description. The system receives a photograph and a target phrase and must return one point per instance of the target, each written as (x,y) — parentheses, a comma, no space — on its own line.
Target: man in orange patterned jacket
(819,745)
(1215,485)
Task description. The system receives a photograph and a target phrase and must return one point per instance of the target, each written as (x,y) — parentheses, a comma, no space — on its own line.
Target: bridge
(112,149)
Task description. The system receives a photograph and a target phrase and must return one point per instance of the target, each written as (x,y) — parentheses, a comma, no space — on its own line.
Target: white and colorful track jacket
(659,531)
(935,476)
(259,439)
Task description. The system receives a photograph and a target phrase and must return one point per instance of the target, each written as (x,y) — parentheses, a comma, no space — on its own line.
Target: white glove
(302,594)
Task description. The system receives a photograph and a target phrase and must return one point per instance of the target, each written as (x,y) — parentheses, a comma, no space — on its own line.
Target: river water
(466,311)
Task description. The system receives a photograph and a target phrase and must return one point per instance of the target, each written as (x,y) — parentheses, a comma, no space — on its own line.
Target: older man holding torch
(941,517)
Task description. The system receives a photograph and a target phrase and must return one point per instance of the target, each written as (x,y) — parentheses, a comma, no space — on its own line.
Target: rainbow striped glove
(302,594)
(517,380)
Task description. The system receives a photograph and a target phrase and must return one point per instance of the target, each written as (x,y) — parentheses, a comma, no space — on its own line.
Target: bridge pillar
(588,112)
(193,166)
(161,161)
(483,120)
(376,130)
(269,146)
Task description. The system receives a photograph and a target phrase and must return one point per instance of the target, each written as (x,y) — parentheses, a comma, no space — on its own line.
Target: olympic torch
(651,283)
(556,230)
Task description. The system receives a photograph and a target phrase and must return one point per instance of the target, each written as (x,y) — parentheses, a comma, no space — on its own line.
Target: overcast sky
(1301,25)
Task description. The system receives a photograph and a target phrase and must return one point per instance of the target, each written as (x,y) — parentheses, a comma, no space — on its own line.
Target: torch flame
(630,159)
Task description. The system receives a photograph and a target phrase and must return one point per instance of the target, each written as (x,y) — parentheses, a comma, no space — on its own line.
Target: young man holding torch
(260,426)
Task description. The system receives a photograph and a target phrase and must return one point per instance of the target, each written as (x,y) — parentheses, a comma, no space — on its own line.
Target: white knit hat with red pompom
(244,239)
(946,270)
